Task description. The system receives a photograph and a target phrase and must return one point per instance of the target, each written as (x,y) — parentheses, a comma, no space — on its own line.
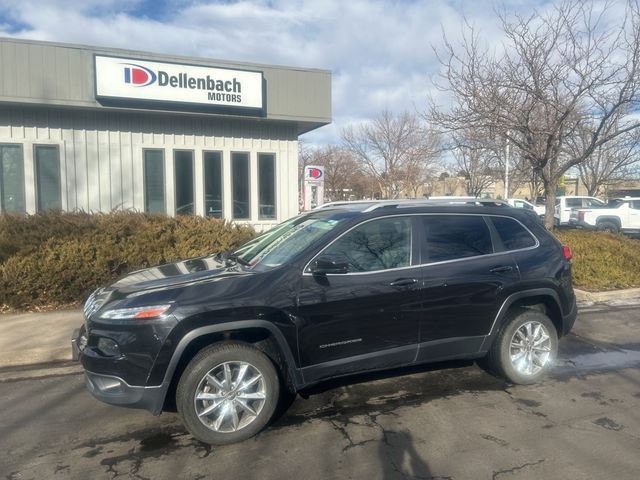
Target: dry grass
(53,259)
(602,261)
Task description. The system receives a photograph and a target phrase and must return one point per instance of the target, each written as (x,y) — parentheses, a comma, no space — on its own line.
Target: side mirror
(330,264)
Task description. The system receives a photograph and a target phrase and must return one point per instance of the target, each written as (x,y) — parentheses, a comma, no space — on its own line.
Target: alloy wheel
(530,348)
(230,396)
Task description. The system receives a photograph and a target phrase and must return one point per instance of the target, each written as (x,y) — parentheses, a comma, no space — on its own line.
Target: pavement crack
(517,468)
(343,430)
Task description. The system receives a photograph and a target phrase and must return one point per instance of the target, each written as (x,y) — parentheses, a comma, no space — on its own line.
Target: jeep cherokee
(337,291)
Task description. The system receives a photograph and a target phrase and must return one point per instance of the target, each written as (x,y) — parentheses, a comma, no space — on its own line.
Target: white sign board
(127,78)
(313,188)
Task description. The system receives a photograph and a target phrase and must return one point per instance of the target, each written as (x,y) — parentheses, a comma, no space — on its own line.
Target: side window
(154,181)
(11,179)
(592,202)
(376,245)
(574,202)
(213,184)
(514,236)
(635,204)
(266,186)
(183,168)
(48,185)
(449,237)
(240,185)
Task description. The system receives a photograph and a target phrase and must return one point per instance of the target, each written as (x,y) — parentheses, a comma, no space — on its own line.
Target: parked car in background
(619,215)
(519,203)
(565,204)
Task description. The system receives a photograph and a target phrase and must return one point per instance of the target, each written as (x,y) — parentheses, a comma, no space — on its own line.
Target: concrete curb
(35,356)
(584,296)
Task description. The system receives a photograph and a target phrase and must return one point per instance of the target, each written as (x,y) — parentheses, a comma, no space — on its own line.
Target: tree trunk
(550,204)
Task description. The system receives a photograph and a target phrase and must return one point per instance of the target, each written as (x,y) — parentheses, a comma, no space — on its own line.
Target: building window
(48,186)
(213,184)
(240,182)
(183,165)
(154,181)
(266,186)
(11,179)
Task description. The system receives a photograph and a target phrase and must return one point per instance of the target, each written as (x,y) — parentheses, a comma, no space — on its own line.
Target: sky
(381,53)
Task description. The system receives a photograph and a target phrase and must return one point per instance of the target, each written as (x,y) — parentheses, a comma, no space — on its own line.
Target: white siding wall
(102,162)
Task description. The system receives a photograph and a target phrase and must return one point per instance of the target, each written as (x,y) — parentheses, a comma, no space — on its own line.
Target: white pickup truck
(519,203)
(565,205)
(619,215)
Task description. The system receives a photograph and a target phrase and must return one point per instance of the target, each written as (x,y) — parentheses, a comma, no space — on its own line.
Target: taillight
(581,216)
(567,252)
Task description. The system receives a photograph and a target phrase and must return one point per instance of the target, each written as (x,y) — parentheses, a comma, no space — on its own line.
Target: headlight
(154,311)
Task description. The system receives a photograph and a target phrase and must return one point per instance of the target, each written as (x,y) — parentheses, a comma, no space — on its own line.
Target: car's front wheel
(227,393)
(525,348)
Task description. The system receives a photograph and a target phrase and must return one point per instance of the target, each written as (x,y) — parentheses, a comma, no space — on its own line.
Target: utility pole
(506,170)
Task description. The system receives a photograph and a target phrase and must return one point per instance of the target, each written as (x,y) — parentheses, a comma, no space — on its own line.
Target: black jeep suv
(333,292)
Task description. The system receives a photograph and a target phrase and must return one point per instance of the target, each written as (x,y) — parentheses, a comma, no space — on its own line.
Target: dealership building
(96,129)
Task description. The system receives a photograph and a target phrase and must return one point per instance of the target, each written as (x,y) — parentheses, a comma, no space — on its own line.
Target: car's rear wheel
(227,393)
(607,226)
(525,348)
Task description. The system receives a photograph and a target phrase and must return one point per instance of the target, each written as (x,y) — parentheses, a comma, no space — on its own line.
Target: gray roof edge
(160,56)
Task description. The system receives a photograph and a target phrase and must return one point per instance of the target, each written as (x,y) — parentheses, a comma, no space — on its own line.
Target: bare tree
(474,161)
(558,74)
(420,172)
(344,176)
(389,147)
(474,165)
(611,163)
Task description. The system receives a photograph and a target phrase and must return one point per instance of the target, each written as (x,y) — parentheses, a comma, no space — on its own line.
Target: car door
(368,317)
(464,279)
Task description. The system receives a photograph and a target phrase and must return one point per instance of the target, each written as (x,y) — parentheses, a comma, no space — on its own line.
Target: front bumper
(115,391)
(112,389)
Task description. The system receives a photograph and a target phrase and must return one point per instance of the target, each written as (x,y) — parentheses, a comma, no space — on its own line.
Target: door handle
(403,282)
(501,269)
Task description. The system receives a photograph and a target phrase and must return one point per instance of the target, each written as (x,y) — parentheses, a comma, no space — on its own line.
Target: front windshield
(283,242)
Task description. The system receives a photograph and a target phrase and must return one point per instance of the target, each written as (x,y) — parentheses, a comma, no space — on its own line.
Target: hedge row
(58,258)
(602,261)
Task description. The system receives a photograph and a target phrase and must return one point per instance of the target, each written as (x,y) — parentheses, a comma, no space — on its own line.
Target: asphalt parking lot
(450,421)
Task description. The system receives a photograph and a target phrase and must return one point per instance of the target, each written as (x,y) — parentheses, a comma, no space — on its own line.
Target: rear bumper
(579,224)
(569,319)
(115,391)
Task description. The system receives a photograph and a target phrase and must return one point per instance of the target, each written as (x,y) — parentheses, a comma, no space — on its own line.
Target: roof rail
(371,205)
(408,203)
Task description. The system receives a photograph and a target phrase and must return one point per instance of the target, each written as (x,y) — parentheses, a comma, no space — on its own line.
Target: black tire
(498,359)
(607,226)
(208,359)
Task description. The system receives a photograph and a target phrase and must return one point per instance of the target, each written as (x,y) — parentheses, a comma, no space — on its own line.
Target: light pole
(506,170)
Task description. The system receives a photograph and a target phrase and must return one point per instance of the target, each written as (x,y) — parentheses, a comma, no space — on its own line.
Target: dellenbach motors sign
(124,78)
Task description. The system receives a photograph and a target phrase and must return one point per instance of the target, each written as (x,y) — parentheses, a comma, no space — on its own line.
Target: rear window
(513,235)
(456,236)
